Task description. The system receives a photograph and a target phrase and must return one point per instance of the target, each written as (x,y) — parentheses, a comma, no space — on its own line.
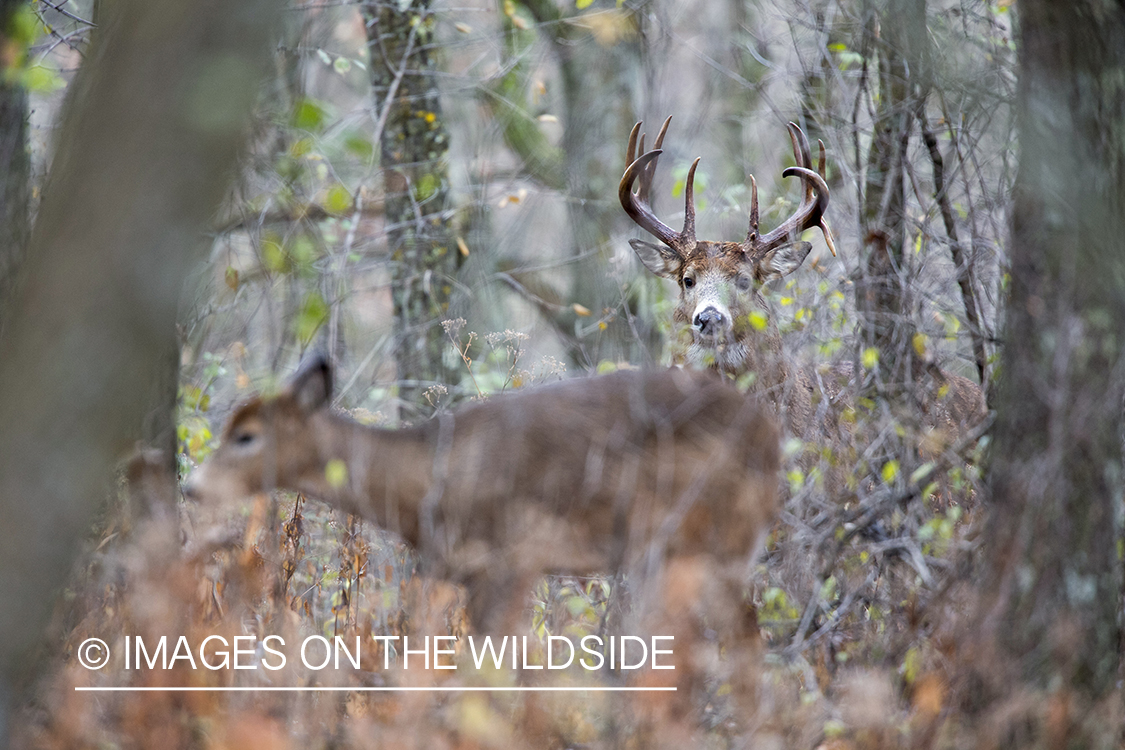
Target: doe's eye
(689,282)
(743,283)
(244,438)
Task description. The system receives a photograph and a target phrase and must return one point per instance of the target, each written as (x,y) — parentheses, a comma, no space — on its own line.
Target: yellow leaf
(336,473)
(870,357)
(338,199)
(890,471)
(758,320)
(231,278)
(464,28)
(920,341)
(580,311)
(463,248)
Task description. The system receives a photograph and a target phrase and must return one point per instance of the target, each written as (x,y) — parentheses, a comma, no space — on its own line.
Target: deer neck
(387,473)
(763,356)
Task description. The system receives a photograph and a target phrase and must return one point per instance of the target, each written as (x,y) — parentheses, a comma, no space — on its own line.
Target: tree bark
(15,164)
(151,134)
(1057,474)
(897,29)
(420,234)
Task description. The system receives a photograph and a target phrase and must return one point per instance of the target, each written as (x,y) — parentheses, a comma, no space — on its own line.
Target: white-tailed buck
(722,319)
(617,473)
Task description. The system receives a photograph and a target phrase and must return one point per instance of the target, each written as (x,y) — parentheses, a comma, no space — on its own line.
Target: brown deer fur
(586,475)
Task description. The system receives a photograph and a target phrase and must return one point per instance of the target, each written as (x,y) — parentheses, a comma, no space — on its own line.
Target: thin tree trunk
(883,297)
(1057,474)
(420,235)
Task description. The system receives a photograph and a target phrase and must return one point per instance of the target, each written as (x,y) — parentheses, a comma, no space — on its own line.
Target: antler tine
(644,180)
(639,211)
(631,150)
(689,202)
(649,173)
(752,233)
(808,214)
(801,155)
(637,206)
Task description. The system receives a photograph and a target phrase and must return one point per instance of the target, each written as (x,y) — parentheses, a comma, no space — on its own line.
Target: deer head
(721,303)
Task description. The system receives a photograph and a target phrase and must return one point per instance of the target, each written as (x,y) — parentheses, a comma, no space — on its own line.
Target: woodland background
(352,174)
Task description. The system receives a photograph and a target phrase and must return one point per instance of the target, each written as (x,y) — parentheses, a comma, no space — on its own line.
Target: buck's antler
(814,201)
(637,204)
(810,213)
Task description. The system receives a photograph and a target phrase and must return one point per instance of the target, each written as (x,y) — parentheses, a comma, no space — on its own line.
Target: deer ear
(311,385)
(661,260)
(782,261)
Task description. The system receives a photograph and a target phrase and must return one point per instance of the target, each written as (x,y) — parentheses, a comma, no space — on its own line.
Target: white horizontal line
(435,689)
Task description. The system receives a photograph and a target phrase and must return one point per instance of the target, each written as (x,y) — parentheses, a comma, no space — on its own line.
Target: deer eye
(244,438)
(743,283)
(689,282)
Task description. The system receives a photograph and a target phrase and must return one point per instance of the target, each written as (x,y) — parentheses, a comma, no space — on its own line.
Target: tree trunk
(603,73)
(898,31)
(15,164)
(414,147)
(151,135)
(1057,474)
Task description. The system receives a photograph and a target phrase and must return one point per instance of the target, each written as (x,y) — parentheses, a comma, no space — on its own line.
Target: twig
(871,510)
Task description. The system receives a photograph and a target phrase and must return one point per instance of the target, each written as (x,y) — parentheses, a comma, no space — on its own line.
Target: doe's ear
(782,261)
(660,259)
(311,385)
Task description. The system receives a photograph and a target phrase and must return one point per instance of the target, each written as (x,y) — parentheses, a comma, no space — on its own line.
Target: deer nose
(709,321)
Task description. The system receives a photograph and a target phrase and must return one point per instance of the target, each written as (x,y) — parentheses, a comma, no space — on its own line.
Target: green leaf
(42,78)
(274,258)
(583,4)
(890,471)
(426,186)
(308,115)
(870,357)
(606,366)
(359,145)
(338,199)
(302,251)
(312,315)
